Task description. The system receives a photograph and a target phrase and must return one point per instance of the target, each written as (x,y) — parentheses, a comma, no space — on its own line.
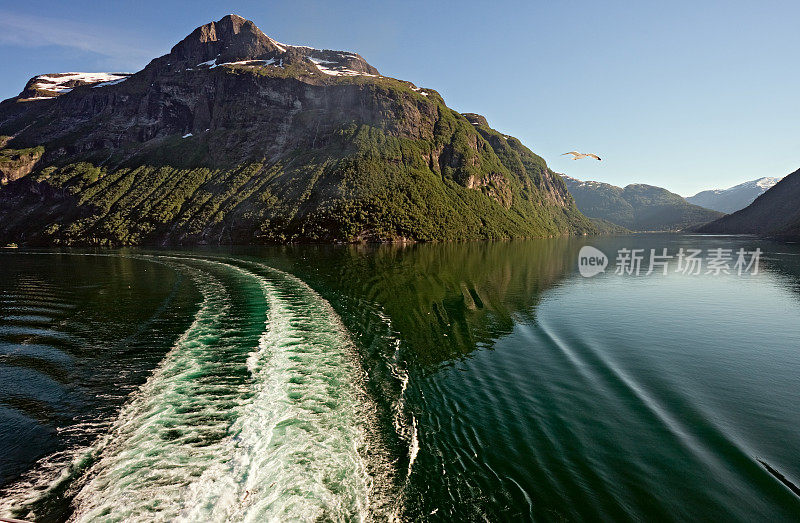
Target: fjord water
(433,382)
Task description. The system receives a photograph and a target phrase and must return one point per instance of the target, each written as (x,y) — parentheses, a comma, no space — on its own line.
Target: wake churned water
(474,382)
(256,414)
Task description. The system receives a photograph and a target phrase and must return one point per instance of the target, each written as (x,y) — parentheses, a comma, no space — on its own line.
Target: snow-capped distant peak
(733,198)
(582,183)
(767,182)
(762,183)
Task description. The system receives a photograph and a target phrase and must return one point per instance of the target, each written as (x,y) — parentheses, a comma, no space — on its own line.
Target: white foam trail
(142,471)
(407,431)
(296,446)
(289,443)
(60,468)
(293,450)
(413,448)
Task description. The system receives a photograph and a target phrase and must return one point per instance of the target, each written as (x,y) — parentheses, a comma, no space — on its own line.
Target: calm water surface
(479,381)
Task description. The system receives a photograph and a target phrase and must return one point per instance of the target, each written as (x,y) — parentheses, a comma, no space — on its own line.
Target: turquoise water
(424,382)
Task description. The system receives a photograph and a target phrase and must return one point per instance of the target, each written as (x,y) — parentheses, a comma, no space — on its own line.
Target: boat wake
(257,413)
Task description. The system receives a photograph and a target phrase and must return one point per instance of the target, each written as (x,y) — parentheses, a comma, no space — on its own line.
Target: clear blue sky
(685,95)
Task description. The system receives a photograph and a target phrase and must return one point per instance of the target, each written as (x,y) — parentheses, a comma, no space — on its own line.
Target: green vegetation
(8,156)
(16,163)
(607,227)
(277,154)
(365,185)
(638,207)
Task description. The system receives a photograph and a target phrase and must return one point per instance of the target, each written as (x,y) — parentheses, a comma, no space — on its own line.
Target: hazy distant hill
(735,198)
(233,137)
(774,213)
(637,207)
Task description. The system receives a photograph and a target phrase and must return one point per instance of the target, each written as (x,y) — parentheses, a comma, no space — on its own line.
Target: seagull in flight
(578,156)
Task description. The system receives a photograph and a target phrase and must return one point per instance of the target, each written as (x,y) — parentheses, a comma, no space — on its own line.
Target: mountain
(774,213)
(735,198)
(233,137)
(637,207)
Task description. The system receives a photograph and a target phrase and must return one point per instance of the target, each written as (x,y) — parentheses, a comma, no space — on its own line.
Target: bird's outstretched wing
(571,152)
(593,156)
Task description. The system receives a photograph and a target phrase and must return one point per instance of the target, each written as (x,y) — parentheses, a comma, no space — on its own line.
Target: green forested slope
(269,147)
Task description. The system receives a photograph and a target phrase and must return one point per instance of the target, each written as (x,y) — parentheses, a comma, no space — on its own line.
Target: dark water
(480,381)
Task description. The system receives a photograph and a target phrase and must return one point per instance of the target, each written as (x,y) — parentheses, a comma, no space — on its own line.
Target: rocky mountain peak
(248,140)
(231,41)
(232,38)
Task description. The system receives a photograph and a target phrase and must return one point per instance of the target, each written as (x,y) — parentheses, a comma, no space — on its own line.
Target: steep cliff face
(233,137)
(14,164)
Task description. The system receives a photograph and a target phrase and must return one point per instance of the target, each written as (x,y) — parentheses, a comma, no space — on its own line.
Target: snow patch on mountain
(110,82)
(212,64)
(333,68)
(48,86)
(767,182)
(65,82)
(733,198)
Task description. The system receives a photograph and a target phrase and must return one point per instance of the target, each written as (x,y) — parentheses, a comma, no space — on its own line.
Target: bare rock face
(231,39)
(234,40)
(476,119)
(14,164)
(192,90)
(252,140)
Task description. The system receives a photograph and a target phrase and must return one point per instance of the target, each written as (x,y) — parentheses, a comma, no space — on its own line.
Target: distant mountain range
(774,213)
(637,207)
(233,137)
(735,198)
